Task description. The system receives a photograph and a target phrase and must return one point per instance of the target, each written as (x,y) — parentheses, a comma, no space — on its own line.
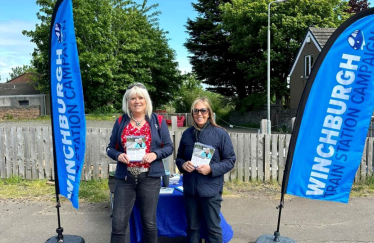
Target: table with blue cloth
(171,219)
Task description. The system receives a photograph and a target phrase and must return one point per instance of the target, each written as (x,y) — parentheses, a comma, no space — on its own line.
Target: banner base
(271,239)
(66,239)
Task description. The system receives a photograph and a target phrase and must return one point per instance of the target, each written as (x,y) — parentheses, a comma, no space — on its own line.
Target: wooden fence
(28,152)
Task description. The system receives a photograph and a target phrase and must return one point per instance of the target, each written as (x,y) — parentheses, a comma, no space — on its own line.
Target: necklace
(137,123)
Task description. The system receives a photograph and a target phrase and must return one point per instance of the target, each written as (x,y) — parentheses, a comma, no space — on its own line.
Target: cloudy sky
(15,49)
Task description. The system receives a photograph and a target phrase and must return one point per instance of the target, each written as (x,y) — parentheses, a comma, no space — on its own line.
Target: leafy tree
(211,59)
(119,42)
(228,42)
(191,88)
(356,6)
(246,21)
(18,71)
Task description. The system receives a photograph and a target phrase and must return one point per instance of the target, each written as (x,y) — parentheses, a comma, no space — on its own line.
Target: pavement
(303,220)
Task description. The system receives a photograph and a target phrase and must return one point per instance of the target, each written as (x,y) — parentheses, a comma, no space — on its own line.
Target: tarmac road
(303,220)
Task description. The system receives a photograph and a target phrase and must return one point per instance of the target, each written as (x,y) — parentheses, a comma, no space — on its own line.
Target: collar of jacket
(197,131)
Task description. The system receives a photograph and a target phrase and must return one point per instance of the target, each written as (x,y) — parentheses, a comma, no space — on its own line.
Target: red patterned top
(145,130)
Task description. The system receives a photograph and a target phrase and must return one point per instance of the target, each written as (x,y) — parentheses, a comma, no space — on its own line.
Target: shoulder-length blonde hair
(137,89)
(206,102)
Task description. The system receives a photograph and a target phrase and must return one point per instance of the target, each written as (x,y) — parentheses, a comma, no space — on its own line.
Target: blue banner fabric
(334,114)
(69,124)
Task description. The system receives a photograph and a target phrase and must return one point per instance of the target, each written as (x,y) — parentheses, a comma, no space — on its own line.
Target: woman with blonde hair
(141,180)
(203,185)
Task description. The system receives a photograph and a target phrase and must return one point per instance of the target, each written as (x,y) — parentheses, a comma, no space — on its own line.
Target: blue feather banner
(334,115)
(67,102)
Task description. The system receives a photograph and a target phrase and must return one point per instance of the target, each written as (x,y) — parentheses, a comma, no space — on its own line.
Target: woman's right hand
(123,158)
(188,166)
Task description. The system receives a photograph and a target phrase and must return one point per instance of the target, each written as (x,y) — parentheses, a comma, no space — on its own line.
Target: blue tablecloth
(171,219)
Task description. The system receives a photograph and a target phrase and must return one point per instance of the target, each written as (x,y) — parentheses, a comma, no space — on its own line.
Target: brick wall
(19,112)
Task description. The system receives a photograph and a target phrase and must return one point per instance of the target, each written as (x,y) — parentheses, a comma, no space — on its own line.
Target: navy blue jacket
(223,161)
(159,134)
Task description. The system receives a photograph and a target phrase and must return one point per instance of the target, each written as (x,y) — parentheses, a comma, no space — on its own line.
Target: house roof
(17,89)
(318,36)
(23,78)
(322,35)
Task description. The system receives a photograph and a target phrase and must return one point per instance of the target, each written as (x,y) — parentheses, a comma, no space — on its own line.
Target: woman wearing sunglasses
(138,177)
(203,185)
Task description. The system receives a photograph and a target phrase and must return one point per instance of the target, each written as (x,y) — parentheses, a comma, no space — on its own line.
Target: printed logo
(58,32)
(356,40)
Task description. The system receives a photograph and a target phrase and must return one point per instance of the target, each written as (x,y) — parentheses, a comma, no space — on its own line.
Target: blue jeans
(143,189)
(203,210)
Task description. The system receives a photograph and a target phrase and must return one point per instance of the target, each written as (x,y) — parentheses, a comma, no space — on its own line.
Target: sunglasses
(203,111)
(139,85)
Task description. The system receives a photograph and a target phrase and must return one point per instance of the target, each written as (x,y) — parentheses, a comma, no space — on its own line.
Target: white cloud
(184,66)
(14,42)
(15,48)
(14,27)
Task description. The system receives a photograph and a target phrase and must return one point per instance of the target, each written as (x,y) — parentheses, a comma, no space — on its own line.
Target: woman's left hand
(149,158)
(204,169)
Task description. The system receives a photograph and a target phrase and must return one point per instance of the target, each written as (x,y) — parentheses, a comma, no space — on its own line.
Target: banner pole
(268,238)
(60,238)
(59,230)
(277,233)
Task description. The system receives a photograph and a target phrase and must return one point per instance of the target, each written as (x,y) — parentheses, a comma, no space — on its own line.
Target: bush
(253,102)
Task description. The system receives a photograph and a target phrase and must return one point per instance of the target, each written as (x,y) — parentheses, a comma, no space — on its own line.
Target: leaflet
(135,146)
(174,178)
(166,190)
(202,154)
(179,188)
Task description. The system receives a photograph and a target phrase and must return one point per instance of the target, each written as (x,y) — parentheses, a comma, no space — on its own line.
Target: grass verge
(94,191)
(252,189)
(363,189)
(273,189)
(103,117)
(17,188)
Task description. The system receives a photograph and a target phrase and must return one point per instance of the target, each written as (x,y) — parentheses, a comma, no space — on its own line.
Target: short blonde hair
(206,102)
(137,89)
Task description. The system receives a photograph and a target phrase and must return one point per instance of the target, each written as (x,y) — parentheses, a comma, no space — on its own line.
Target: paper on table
(174,178)
(179,188)
(166,190)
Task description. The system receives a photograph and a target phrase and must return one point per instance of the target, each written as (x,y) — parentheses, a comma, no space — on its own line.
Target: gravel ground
(28,123)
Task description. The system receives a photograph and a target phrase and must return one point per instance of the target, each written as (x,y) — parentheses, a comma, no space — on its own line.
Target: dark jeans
(146,191)
(203,210)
